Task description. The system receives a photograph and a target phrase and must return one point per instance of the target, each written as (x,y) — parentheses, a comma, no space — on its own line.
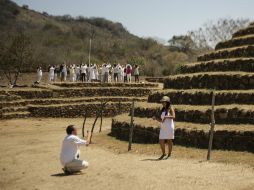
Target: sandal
(162,156)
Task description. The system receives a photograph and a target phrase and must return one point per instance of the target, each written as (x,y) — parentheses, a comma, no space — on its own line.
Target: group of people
(70,152)
(91,73)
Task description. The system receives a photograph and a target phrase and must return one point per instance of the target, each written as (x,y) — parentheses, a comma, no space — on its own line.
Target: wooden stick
(212,128)
(131,126)
(91,134)
(102,109)
(83,128)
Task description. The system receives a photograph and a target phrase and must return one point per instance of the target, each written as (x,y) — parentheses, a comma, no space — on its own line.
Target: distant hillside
(59,38)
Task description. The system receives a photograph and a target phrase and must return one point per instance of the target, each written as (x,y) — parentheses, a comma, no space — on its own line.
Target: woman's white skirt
(167,129)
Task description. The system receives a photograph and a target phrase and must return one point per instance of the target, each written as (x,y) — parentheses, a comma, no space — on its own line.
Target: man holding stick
(69,156)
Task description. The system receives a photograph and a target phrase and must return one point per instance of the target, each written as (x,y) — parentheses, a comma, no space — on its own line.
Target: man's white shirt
(70,148)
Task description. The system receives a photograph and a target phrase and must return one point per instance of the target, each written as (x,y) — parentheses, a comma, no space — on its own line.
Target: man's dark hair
(69,129)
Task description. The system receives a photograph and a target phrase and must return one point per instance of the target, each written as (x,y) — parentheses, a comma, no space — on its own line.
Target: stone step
(155,79)
(235,42)
(234,64)
(78,109)
(204,96)
(8,97)
(211,80)
(226,137)
(237,52)
(49,101)
(119,85)
(90,92)
(244,32)
(29,93)
(13,103)
(33,93)
(15,115)
(14,109)
(224,114)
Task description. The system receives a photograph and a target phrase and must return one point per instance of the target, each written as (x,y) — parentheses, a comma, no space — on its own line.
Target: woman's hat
(165,99)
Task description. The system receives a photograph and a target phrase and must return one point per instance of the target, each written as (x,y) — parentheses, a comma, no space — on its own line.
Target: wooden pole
(101,115)
(212,128)
(102,109)
(131,126)
(91,134)
(89,55)
(83,128)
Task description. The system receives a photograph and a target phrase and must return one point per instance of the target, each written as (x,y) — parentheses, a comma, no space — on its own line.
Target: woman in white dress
(51,74)
(39,74)
(72,73)
(167,126)
(91,73)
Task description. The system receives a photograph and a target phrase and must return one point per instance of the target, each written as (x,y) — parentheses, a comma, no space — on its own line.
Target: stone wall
(222,115)
(211,81)
(155,79)
(223,54)
(29,94)
(246,31)
(79,84)
(228,140)
(203,97)
(235,42)
(246,65)
(83,100)
(77,110)
(90,92)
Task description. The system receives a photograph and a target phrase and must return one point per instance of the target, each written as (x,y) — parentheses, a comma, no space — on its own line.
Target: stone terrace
(229,70)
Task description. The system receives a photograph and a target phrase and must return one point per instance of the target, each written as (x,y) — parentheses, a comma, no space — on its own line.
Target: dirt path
(29,160)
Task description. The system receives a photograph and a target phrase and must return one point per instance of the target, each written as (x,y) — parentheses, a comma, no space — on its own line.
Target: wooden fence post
(212,128)
(83,127)
(131,126)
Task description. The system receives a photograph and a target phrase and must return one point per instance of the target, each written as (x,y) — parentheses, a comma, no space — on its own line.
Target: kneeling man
(69,156)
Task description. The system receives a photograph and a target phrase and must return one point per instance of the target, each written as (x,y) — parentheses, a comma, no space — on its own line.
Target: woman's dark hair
(166,108)
(69,129)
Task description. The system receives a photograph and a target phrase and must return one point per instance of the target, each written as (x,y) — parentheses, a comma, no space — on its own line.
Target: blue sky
(149,18)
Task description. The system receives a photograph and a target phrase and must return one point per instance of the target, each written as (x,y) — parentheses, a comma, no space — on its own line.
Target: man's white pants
(76,165)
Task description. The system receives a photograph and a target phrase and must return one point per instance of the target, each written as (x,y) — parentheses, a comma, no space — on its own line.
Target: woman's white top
(72,71)
(39,72)
(167,127)
(51,71)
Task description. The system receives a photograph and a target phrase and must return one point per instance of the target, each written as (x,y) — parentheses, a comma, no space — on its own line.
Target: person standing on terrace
(166,126)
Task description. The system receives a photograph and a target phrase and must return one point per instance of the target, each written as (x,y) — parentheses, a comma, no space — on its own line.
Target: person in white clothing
(39,74)
(83,72)
(91,73)
(70,152)
(72,74)
(96,72)
(167,126)
(77,71)
(120,69)
(105,72)
(51,74)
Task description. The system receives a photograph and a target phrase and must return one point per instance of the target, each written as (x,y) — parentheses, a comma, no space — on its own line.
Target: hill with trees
(55,39)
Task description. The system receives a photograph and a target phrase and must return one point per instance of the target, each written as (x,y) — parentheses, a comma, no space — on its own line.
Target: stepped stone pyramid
(229,69)
(72,99)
